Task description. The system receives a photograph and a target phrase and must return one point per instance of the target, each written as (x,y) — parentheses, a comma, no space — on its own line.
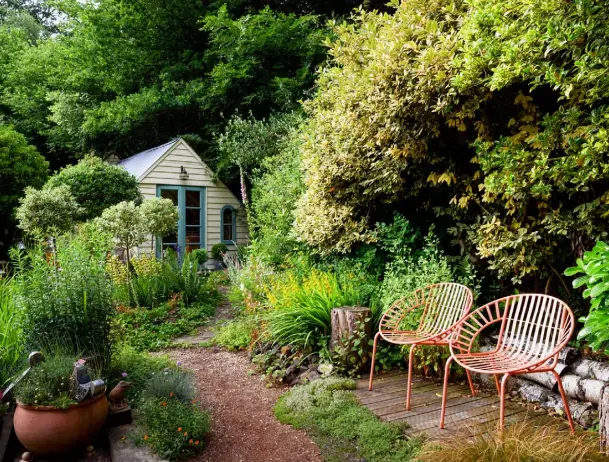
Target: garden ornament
(85,387)
(117,396)
(34,358)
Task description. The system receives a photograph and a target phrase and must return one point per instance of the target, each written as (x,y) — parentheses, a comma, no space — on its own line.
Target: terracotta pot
(49,430)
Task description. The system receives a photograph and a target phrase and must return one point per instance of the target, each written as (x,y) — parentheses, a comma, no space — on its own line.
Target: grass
(519,442)
(343,429)
(11,341)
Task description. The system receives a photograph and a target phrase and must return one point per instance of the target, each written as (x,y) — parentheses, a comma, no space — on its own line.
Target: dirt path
(244,427)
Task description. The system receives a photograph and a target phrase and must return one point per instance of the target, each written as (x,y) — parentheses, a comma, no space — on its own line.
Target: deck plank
(465,414)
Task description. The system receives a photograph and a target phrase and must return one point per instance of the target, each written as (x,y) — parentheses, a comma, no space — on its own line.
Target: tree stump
(351,331)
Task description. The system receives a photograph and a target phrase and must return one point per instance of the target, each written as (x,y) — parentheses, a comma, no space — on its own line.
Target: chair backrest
(535,325)
(442,306)
(445,304)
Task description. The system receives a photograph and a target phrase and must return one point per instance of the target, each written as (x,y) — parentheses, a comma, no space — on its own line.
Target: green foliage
(97,185)
(343,429)
(49,383)
(593,271)
(48,211)
(154,329)
(171,383)
(200,256)
(175,430)
(218,250)
(236,334)
(160,216)
(125,223)
(277,185)
(11,337)
(20,166)
(65,298)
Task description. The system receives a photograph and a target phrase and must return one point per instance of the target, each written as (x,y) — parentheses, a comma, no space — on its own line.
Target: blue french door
(190,230)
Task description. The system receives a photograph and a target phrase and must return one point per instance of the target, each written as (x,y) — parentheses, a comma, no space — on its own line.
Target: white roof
(139,164)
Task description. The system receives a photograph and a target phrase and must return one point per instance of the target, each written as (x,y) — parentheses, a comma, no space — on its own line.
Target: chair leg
(409,386)
(471,382)
(376,339)
(445,391)
(502,401)
(564,400)
(497,384)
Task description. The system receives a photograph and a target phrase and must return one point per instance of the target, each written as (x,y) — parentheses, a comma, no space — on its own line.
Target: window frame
(233,241)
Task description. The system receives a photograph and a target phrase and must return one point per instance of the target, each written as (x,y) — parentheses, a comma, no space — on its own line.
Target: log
(350,323)
(582,412)
(603,421)
(589,369)
(583,389)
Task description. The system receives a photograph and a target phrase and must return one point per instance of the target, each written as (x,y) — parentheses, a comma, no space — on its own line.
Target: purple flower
(124,374)
(179,363)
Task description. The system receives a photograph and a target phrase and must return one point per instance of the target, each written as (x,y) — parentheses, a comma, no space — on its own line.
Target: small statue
(83,385)
(118,400)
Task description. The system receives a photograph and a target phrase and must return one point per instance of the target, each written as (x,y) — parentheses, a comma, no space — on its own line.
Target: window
(228,224)
(190,230)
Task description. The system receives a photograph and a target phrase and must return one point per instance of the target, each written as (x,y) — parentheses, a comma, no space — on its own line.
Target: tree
(97,185)
(47,212)
(160,217)
(20,166)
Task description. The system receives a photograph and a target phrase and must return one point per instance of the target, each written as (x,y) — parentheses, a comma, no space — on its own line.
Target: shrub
(65,299)
(344,429)
(200,256)
(236,334)
(218,250)
(593,269)
(97,185)
(171,383)
(48,212)
(20,166)
(518,442)
(160,217)
(175,430)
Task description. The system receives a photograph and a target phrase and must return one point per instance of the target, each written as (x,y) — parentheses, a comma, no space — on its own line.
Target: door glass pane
(193,238)
(193,198)
(171,237)
(170,194)
(193,217)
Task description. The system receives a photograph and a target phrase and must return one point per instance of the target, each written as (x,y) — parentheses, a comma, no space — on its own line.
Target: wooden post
(348,324)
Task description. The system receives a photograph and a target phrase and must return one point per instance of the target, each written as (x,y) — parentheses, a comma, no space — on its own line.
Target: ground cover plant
(343,429)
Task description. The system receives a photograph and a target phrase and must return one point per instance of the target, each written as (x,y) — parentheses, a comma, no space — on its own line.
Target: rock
(27,456)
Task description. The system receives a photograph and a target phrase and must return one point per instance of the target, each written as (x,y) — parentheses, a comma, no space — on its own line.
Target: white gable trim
(183,143)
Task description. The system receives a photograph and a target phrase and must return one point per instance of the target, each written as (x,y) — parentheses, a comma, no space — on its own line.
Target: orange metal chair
(442,305)
(533,329)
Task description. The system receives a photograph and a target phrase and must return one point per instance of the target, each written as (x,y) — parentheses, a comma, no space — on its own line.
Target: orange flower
(185,433)
(193,402)
(171,395)
(164,403)
(190,441)
(179,429)
(146,437)
(197,443)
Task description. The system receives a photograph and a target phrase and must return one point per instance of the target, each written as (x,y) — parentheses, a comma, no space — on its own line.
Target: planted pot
(49,430)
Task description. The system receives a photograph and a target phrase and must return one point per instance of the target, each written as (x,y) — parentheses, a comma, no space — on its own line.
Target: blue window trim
(182,211)
(233,241)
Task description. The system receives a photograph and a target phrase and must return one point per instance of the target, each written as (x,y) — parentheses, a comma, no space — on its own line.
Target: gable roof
(141,162)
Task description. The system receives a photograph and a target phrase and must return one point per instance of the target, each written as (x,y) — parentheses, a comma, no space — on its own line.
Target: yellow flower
(146,437)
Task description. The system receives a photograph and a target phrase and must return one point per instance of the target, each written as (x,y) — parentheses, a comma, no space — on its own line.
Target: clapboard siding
(217,195)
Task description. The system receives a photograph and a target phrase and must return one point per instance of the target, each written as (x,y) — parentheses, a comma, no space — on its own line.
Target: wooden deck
(464,413)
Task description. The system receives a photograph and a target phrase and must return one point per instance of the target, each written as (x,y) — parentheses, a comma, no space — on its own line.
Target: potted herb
(49,419)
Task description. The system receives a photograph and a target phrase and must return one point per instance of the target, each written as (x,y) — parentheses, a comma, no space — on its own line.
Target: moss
(343,429)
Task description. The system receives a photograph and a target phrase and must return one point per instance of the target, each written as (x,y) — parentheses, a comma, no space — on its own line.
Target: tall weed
(11,340)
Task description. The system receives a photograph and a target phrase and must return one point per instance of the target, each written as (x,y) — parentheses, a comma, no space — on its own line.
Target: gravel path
(244,427)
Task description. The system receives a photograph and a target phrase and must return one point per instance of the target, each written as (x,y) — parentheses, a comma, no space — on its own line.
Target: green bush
(343,429)
(236,334)
(65,298)
(97,185)
(218,250)
(174,429)
(171,383)
(200,256)
(593,271)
